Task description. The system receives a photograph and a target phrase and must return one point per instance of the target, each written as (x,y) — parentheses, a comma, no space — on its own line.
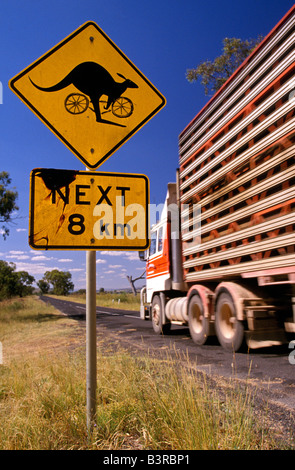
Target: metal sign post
(91,373)
(90,338)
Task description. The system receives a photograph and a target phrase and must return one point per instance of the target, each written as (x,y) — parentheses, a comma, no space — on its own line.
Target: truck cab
(158,263)
(163,264)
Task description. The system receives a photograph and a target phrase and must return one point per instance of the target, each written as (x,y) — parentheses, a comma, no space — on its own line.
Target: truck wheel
(229,330)
(157,318)
(198,323)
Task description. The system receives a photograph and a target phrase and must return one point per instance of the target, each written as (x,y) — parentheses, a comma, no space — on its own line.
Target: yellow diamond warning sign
(82,210)
(89,94)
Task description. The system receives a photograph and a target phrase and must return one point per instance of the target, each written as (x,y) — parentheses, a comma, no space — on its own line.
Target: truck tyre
(157,317)
(229,330)
(198,323)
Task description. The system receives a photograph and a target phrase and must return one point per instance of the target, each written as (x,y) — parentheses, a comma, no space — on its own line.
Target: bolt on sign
(89,94)
(84,210)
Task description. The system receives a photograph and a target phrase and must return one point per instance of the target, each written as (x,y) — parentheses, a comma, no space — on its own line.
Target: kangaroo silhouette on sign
(93,80)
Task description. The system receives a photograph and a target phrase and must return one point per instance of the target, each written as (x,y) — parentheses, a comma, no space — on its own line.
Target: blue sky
(163,39)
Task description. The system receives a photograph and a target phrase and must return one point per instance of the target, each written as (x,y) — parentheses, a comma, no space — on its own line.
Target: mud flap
(265,338)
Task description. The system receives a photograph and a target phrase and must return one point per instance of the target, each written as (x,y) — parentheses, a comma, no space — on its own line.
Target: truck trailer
(222,255)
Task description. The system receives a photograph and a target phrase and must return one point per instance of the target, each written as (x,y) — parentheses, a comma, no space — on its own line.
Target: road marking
(107,313)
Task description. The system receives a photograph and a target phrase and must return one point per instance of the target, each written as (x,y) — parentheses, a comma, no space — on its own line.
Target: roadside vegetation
(123,300)
(144,402)
(20,283)
(14,282)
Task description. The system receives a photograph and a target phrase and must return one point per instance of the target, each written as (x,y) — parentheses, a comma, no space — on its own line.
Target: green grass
(142,402)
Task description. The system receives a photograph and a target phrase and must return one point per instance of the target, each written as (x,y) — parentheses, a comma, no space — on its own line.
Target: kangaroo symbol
(93,80)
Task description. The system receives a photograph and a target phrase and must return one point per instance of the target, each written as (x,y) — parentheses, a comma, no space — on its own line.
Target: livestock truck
(221,258)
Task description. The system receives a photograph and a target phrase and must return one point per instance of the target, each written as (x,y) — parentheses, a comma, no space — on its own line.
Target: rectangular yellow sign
(84,210)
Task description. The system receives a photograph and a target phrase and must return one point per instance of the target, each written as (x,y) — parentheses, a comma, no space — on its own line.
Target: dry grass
(122,300)
(142,402)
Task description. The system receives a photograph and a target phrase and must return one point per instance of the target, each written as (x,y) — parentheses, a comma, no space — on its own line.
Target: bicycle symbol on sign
(76,103)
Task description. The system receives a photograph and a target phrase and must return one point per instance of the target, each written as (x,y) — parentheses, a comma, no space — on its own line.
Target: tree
(25,281)
(60,281)
(132,282)
(43,286)
(214,74)
(14,283)
(7,201)
(8,280)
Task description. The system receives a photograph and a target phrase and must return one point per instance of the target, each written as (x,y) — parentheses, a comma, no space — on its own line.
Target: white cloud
(21,230)
(100,261)
(16,252)
(65,260)
(33,268)
(112,253)
(131,255)
(18,257)
(115,266)
(40,258)
(110,272)
(75,270)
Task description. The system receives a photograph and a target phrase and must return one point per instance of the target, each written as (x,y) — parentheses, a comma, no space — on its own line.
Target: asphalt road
(268,369)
